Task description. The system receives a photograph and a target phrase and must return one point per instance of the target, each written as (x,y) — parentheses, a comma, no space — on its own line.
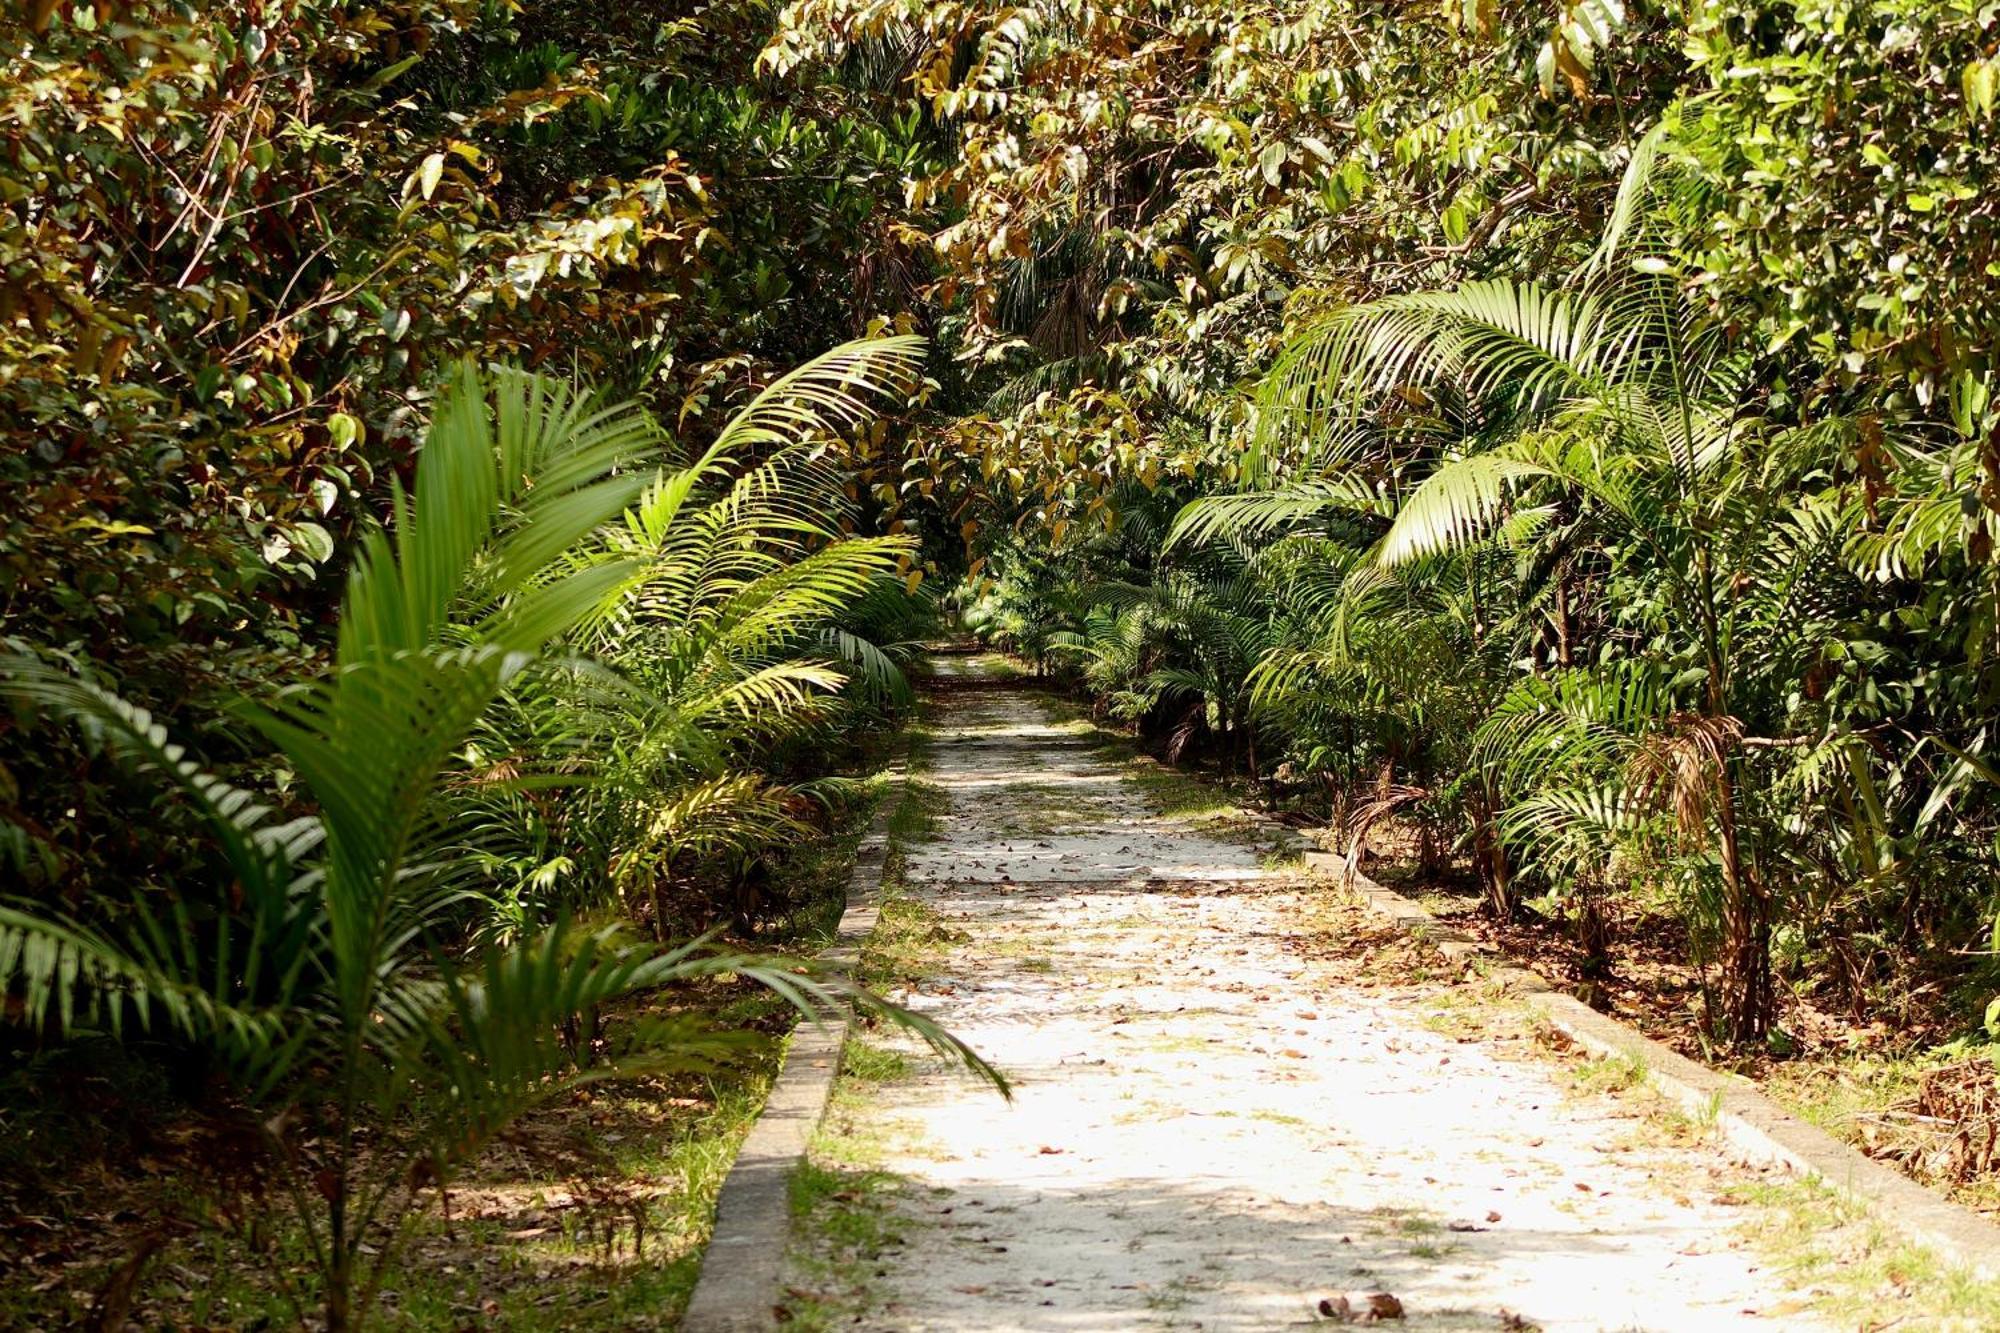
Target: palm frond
(826,395)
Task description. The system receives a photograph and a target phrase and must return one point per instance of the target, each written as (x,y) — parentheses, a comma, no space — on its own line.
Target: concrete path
(1217,1127)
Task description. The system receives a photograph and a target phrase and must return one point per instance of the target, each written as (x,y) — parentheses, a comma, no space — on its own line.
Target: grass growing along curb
(644,1288)
(842,1201)
(1833,1099)
(1843,1264)
(846,1218)
(909,937)
(1609,1073)
(908,941)
(1856,1270)
(1184,797)
(915,816)
(1864,1100)
(869,1063)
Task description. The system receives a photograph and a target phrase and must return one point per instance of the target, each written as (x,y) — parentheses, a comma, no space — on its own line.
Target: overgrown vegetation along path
(1216,1124)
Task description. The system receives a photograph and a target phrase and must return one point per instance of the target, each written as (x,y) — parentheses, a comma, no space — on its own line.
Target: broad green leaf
(312,541)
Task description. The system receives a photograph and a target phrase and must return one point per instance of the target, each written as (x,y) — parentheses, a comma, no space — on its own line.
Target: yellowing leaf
(1981,83)
(343,430)
(1570,64)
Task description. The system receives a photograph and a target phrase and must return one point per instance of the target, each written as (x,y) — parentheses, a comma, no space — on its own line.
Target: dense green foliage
(239,244)
(1568,427)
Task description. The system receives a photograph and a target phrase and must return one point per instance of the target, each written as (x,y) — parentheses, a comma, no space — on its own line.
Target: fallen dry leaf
(1381,1305)
(1371,1307)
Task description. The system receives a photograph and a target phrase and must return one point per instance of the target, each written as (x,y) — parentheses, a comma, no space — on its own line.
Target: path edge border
(737,1289)
(1756,1127)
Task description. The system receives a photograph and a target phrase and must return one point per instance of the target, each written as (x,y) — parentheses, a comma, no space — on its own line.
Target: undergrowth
(589,1214)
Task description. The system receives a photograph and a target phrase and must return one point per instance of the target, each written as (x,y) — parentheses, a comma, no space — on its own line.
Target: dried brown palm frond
(1387,799)
(1680,767)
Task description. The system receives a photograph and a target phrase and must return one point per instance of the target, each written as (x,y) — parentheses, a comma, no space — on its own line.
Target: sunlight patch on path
(1210,1134)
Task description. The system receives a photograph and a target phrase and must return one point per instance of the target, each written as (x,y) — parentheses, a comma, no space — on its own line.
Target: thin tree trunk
(1748,1000)
(1490,859)
(1562,617)
(1747,997)
(1593,937)
(339,1283)
(1430,853)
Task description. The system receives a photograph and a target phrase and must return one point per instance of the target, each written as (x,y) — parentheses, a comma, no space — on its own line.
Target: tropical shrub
(1611,604)
(240,242)
(317,965)
(726,642)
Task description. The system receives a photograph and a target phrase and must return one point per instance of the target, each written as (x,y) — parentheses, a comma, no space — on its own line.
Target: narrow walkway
(1212,1129)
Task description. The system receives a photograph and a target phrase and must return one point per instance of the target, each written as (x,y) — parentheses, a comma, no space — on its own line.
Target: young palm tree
(1402,656)
(723,640)
(1187,640)
(1627,399)
(1561,750)
(372,1065)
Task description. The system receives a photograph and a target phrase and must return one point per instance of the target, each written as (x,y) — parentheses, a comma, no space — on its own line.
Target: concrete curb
(743,1267)
(1752,1124)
